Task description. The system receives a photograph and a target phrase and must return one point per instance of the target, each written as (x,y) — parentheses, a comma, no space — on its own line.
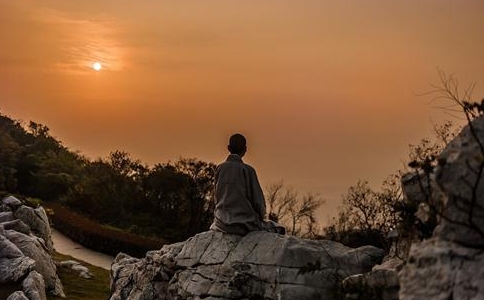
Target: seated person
(239,201)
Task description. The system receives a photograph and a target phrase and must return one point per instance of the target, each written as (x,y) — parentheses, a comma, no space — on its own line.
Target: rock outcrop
(439,269)
(260,265)
(25,251)
(450,265)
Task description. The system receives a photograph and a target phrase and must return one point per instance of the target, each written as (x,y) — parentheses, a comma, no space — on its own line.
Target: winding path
(65,245)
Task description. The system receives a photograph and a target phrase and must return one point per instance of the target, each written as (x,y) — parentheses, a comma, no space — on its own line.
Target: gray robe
(239,201)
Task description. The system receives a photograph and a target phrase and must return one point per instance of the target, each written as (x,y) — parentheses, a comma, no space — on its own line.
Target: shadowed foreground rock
(25,251)
(450,265)
(260,265)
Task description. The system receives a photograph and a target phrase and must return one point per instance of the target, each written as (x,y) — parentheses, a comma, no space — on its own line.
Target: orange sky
(325,91)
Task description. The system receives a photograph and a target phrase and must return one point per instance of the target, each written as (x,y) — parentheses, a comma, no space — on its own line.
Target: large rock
(460,177)
(9,249)
(260,265)
(15,269)
(438,269)
(34,286)
(38,222)
(34,248)
(450,265)
(12,203)
(25,251)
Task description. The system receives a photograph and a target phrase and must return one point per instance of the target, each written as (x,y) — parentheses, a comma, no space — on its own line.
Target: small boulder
(6,216)
(34,286)
(18,295)
(38,222)
(14,269)
(16,225)
(381,283)
(12,202)
(9,249)
(75,266)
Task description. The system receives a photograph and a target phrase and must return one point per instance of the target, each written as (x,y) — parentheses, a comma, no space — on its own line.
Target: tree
(466,201)
(365,216)
(377,212)
(296,213)
(166,202)
(9,152)
(199,192)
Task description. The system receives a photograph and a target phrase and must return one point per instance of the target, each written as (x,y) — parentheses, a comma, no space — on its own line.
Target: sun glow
(97,66)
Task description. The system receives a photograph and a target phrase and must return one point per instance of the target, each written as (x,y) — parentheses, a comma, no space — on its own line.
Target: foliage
(296,213)
(98,237)
(364,209)
(171,200)
(424,165)
(367,215)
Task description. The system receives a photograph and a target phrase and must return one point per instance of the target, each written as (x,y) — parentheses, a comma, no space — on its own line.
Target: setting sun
(97,66)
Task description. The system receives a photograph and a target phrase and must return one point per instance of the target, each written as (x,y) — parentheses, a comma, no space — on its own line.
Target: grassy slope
(77,288)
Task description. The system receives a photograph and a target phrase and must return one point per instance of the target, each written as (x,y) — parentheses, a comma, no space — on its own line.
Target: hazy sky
(325,91)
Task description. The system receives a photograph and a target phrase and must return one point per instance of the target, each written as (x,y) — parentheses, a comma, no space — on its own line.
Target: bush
(100,237)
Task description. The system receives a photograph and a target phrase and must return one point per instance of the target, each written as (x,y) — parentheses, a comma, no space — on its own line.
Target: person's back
(239,200)
(235,210)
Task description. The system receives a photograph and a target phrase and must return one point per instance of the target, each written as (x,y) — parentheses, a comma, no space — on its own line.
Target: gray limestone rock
(34,286)
(9,249)
(439,269)
(459,177)
(450,265)
(25,254)
(76,266)
(18,295)
(6,216)
(14,269)
(38,222)
(16,225)
(33,248)
(12,202)
(260,265)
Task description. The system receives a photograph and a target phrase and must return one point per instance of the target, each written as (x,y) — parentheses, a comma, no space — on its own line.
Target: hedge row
(99,237)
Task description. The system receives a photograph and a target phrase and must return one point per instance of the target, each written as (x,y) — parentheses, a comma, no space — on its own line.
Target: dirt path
(65,245)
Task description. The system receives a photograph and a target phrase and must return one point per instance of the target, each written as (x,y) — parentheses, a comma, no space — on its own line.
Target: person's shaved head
(237,144)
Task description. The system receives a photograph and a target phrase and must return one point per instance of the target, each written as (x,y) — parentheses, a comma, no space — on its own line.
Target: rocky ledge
(450,265)
(261,265)
(25,251)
